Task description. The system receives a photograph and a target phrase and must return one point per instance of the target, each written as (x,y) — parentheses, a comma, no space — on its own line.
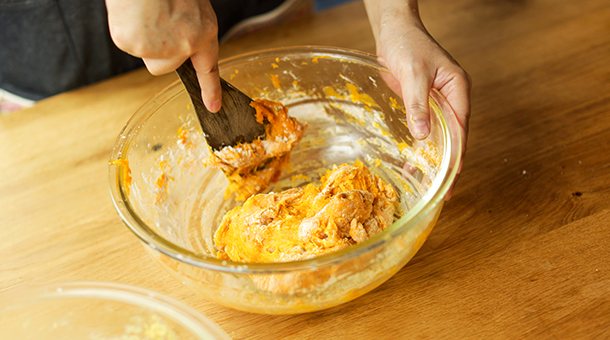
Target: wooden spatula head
(235,122)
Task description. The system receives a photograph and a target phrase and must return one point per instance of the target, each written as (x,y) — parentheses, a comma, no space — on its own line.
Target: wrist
(384,13)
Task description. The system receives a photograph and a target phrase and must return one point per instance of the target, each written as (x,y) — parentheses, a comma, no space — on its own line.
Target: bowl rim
(433,197)
(188,318)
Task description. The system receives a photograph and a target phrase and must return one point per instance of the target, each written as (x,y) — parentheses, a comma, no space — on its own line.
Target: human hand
(418,64)
(165,33)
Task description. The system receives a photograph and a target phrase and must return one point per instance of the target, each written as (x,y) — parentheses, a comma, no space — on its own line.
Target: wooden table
(521,251)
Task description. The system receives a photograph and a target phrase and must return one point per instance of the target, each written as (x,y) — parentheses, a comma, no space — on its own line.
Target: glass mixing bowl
(173,203)
(99,311)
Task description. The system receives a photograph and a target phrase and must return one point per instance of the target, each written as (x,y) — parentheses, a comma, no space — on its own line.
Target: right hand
(165,33)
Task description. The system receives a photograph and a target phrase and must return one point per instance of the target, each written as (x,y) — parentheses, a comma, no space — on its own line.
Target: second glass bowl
(99,311)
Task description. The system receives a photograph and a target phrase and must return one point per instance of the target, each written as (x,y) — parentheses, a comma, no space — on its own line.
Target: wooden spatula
(235,122)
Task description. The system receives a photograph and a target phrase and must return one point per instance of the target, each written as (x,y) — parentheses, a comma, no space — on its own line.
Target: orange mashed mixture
(349,206)
(251,167)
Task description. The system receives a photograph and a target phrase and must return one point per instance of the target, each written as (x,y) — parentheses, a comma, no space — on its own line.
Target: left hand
(418,64)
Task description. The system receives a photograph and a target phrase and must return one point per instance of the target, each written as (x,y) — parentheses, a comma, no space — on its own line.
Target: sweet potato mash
(251,167)
(349,206)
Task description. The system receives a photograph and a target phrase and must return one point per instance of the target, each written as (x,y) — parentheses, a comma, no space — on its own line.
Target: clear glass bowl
(99,311)
(173,203)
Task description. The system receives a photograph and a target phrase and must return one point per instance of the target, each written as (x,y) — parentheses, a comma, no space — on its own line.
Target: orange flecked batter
(251,167)
(349,206)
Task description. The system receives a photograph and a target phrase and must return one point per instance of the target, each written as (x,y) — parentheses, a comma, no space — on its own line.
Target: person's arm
(164,33)
(418,64)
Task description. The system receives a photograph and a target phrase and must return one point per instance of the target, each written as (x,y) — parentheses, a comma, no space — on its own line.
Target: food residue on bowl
(126,172)
(141,328)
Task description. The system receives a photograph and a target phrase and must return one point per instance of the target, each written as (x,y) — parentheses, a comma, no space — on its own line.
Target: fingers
(456,90)
(450,191)
(205,62)
(413,82)
(416,85)
(206,65)
(454,84)
(158,67)
(164,33)
(418,64)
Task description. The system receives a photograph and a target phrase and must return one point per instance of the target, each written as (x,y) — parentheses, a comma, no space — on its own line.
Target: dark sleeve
(51,46)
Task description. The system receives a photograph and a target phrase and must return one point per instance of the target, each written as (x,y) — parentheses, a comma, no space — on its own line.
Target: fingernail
(421,128)
(215,106)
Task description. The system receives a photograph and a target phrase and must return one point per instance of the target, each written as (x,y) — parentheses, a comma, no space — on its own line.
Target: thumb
(415,92)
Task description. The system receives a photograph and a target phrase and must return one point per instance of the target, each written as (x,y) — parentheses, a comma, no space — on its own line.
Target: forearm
(382,12)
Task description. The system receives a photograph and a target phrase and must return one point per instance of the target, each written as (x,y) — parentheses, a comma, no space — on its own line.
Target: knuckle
(132,43)
(410,69)
(417,66)
(417,108)
(140,49)
(468,79)
(209,30)
(464,76)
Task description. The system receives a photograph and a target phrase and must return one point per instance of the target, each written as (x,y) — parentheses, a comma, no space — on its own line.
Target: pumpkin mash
(349,206)
(251,167)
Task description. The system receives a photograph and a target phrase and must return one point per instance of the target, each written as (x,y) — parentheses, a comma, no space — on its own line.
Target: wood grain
(521,251)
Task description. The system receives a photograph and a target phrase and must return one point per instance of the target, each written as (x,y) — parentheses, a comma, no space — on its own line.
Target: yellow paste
(251,167)
(349,206)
